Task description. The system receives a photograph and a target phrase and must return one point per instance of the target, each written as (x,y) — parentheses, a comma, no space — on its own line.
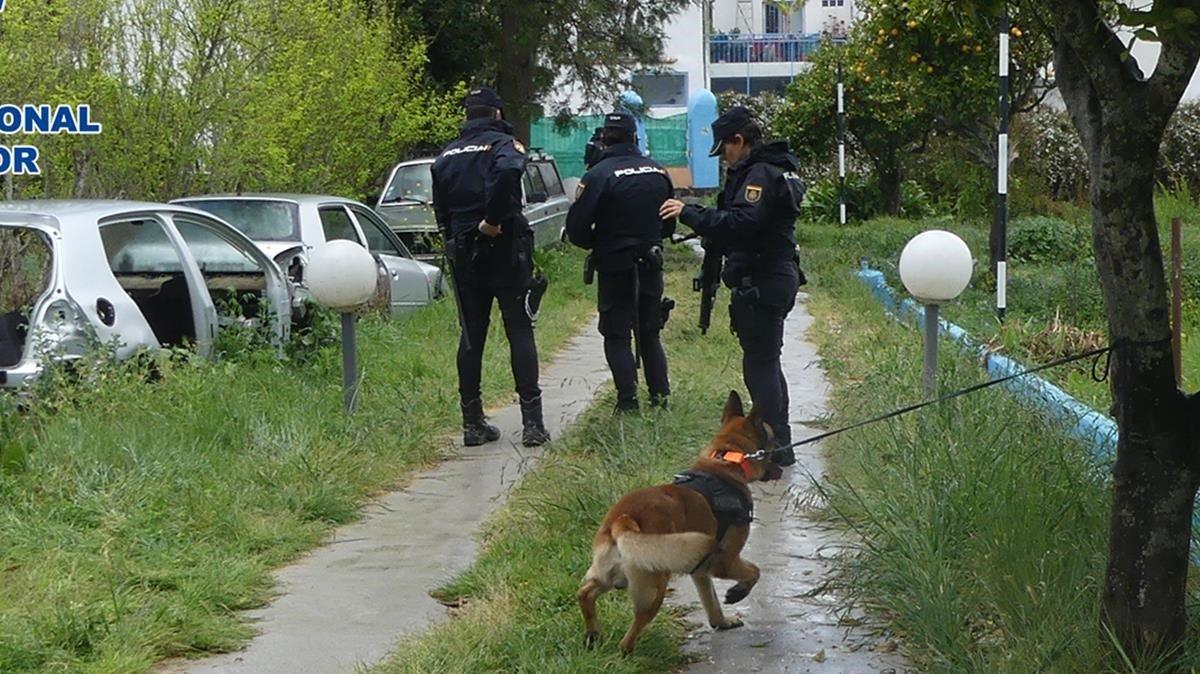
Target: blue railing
(741,48)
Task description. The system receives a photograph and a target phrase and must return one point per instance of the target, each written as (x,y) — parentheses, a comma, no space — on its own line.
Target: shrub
(1046,240)
(864,199)
(1180,159)
(1047,140)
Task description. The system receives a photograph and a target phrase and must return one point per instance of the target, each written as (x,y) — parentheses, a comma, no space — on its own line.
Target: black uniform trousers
(758,323)
(615,292)
(476,294)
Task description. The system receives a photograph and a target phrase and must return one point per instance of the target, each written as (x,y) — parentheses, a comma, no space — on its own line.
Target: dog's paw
(737,593)
(590,639)
(729,624)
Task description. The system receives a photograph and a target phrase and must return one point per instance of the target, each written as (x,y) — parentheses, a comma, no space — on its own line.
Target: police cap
(483,96)
(735,119)
(620,120)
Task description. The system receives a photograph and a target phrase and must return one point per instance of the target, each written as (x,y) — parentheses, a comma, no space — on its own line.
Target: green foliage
(1180,152)
(864,200)
(1047,240)
(146,503)
(218,95)
(1049,145)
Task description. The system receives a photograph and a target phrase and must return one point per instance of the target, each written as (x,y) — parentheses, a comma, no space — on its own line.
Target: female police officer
(754,227)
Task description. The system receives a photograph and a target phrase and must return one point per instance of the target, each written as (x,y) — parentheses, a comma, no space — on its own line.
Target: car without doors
(138,276)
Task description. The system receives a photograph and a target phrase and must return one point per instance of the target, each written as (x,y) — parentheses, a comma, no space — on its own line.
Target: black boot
(534,433)
(626,406)
(783,456)
(659,401)
(476,429)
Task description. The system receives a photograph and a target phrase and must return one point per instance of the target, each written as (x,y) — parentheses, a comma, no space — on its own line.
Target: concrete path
(348,602)
(793,622)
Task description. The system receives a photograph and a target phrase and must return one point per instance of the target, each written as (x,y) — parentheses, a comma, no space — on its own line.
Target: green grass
(137,518)
(981,533)
(1054,308)
(520,613)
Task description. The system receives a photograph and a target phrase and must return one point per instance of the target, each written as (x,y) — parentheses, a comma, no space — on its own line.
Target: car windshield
(413,182)
(259,219)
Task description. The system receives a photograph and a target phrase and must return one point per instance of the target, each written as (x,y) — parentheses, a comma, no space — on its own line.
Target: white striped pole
(1002,173)
(841,138)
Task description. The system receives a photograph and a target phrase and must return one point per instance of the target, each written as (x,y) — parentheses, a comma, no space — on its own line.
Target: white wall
(683,51)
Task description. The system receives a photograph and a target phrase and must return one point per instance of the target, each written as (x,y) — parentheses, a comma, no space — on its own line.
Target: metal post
(1002,173)
(931,348)
(841,138)
(1177,297)
(349,361)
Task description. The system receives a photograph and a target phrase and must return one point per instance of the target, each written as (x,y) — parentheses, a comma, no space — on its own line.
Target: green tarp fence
(666,139)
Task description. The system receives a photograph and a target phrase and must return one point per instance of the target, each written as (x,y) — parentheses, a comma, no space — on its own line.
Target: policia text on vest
(615,216)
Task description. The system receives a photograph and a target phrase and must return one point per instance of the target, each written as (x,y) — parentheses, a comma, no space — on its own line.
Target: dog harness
(730,506)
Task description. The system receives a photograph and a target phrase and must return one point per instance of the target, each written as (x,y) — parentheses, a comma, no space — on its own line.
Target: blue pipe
(1086,425)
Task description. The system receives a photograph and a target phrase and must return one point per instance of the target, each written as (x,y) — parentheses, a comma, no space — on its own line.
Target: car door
(410,285)
(535,202)
(337,224)
(556,205)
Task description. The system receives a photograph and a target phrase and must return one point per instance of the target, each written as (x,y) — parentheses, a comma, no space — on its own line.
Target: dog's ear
(755,421)
(733,408)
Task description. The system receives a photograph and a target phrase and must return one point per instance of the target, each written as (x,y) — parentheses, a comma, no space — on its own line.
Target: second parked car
(288,226)
(406,203)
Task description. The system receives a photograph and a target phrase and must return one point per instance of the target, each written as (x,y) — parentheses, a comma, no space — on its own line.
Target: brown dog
(696,526)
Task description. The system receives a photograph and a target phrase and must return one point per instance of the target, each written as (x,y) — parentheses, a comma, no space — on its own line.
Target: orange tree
(911,68)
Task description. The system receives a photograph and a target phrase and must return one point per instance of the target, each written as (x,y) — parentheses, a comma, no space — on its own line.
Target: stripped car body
(137,276)
(288,226)
(407,196)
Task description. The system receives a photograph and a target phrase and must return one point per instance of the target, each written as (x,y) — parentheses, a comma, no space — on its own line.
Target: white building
(740,45)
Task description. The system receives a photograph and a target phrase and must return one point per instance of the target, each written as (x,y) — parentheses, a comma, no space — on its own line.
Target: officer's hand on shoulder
(670,209)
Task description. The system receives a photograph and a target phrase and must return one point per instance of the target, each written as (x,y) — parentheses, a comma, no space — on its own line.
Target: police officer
(594,149)
(616,216)
(477,201)
(754,226)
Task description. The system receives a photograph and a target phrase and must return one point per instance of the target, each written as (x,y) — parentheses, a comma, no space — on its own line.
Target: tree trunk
(518,59)
(1155,476)
(1155,479)
(889,185)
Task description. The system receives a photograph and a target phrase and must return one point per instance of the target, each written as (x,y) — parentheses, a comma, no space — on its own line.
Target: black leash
(1096,353)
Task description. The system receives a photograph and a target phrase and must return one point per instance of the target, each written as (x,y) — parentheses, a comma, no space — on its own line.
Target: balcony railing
(743,48)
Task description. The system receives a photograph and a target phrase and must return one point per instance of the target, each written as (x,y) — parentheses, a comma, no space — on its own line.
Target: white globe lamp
(342,275)
(935,267)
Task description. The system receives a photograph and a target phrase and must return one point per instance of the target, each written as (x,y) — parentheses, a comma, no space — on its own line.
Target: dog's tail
(675,553)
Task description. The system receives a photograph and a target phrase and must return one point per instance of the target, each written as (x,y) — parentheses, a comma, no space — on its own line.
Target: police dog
(654,533)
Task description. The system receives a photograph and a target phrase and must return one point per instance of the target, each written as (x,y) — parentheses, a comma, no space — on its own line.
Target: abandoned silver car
(139,276)
(288,226)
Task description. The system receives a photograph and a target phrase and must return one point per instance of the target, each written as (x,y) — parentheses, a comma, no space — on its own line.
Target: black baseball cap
(483,96)
(620,120)
(735,119)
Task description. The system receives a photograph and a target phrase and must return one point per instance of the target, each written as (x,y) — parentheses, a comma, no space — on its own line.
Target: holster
(666,305)
(743,308)
(589,270)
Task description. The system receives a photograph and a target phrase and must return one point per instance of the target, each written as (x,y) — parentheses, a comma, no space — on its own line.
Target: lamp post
(342,276)
(935,267)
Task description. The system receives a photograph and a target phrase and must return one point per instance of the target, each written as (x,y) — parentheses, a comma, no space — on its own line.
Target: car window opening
(149,269)
(235,281)
(412,183)
(26,263)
